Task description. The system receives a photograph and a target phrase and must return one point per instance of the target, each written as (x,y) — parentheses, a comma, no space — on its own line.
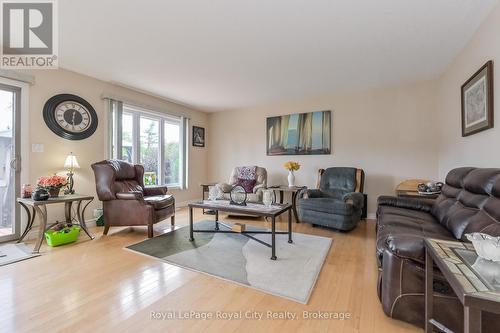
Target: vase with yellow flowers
(291,167)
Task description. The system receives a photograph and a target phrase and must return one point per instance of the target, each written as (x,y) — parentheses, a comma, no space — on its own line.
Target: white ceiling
(228,54)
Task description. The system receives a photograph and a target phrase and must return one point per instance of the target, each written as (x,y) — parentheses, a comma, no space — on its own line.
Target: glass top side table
(475,281)
(40,208)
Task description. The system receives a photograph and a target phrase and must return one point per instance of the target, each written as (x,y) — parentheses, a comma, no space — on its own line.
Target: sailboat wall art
(299,134)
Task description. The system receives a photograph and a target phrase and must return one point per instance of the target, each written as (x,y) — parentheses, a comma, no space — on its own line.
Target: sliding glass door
(9,161)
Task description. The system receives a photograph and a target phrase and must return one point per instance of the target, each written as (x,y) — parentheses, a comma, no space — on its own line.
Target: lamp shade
(71,162)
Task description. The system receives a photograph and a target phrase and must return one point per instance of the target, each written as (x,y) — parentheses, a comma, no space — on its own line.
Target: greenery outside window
(151,139)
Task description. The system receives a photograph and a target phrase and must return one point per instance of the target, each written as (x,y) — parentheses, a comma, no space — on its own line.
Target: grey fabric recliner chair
(338,202)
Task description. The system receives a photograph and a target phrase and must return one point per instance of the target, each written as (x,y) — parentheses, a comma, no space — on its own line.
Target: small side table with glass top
(40,208)
(470,278)
(294,190)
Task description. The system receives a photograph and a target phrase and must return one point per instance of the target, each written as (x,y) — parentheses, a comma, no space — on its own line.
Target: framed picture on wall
(299,134)
(477,101)
(198,136)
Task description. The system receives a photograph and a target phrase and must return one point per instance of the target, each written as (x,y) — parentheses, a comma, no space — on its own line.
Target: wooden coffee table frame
(248,233)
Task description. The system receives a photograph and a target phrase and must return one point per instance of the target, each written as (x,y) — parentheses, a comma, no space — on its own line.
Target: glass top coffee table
(255,209)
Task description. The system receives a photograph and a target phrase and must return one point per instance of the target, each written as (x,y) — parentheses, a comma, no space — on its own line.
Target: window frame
(137,113)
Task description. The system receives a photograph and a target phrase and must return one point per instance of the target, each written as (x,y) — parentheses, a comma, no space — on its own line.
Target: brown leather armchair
(126,201)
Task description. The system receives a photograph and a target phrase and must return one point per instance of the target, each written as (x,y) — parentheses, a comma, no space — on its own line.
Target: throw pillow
(248,172)
(247,184)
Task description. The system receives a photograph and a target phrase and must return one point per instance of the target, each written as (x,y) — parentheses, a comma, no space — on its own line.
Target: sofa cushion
(469,202)
(402,231)
(326,205)
(160,201)
(410,203)
(247,172)
(247,184)
(400,214)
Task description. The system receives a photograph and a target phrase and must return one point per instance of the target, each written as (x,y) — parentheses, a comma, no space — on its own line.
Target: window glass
(150,139)
(171,153)
(149,149)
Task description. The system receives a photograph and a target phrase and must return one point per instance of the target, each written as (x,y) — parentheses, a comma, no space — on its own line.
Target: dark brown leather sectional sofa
(470,202)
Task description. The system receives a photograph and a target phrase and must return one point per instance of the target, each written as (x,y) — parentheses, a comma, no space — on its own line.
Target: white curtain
(184,153)
(115,109)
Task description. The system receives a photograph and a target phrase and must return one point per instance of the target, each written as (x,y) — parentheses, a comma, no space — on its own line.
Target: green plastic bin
(56,238)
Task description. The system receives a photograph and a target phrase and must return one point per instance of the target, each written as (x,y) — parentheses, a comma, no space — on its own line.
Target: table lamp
(71,163)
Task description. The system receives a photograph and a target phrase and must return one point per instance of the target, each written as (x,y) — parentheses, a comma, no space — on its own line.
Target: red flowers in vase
(52,184)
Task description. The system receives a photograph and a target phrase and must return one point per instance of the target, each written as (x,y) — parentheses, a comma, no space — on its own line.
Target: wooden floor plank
(100,287)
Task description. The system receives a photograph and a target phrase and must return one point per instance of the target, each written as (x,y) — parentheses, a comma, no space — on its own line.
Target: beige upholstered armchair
(254,190)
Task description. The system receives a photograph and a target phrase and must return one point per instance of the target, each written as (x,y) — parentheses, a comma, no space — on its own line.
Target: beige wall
(392,133)
(51,82)
(388,132)
(480,149)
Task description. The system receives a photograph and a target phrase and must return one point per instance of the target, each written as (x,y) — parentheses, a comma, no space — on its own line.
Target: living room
(249,166)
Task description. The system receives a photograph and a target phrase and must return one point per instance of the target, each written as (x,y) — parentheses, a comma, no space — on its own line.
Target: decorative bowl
(486,246)
(489,270)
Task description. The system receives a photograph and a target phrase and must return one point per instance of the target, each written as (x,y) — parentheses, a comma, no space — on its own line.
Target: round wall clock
(69,116)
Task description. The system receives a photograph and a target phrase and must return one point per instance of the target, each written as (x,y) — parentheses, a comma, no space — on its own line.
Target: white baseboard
(371,216)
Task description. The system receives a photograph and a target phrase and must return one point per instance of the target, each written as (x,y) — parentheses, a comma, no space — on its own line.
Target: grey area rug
(237,258)
(10,253)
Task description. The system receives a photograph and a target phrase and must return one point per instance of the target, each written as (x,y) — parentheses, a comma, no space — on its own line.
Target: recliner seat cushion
(326,205)
(398,214)
(397,236)
(160,201)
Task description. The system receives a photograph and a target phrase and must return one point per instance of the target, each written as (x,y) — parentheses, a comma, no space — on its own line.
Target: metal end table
(39,208)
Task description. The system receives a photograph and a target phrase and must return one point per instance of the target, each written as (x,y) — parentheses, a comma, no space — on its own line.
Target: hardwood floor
(97,286)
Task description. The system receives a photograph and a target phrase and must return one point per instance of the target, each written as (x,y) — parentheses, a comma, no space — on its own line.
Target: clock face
(70,116)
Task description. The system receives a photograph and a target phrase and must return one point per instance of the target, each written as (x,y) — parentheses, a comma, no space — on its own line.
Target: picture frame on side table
(198,136)
(477,101)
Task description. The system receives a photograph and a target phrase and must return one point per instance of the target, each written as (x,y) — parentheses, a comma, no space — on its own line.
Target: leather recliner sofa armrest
(132,195)
(155,190)
(355,198)
(408,203)
(407,247)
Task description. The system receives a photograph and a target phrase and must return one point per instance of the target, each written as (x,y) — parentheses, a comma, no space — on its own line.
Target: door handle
(14,164)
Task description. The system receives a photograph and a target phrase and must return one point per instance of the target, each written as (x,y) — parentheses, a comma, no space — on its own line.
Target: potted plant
(291,167)
(52,184)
